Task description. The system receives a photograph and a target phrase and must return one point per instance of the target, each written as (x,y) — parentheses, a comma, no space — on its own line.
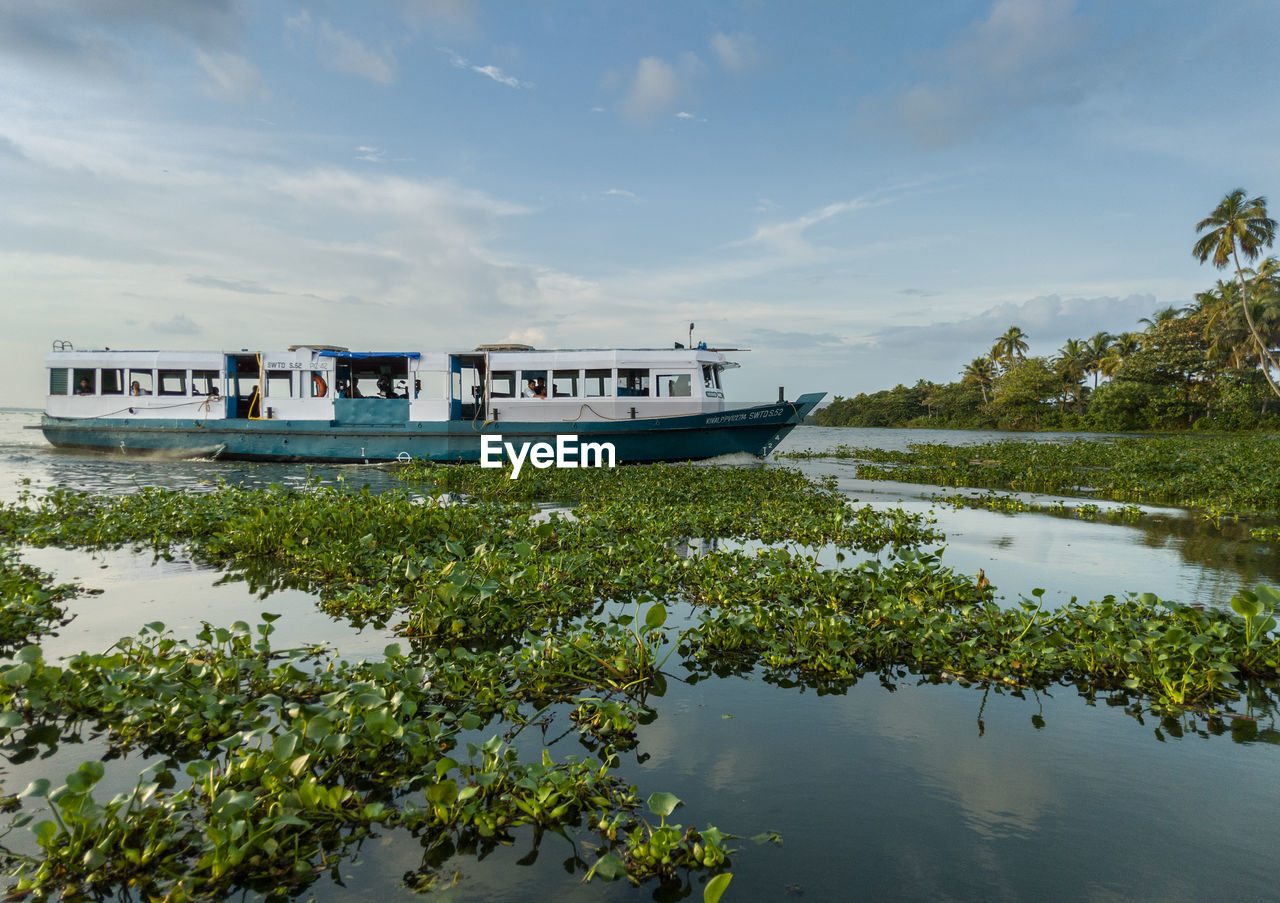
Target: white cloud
(788,237)
(499,76)
(232,77)
(493,72)
(342,52)
(1048,320)
(654,89)
(737,52)
(347,54)
(619,193)
(369,154)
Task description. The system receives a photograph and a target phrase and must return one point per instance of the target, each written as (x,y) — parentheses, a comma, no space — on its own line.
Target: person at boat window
(135,388)
(344,389)
(534,390)
(84,388)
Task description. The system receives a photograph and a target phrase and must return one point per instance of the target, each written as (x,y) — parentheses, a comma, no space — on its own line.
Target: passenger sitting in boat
(534,390)
(135,388)
(84,387)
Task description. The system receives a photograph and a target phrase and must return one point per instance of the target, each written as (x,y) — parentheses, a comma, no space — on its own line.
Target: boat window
(539,380)
(319,384)
(598,383)
(279,384)
(564,383)
(376,377)
(502,384)
(633,382)
(472,380)
(58,381)
(246,385)
(112,382)
(85,382)
(139,382)
(173,382)
(674,385)
(708,376)
(204,382)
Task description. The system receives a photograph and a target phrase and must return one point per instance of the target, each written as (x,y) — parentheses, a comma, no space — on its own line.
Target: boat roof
(497,354)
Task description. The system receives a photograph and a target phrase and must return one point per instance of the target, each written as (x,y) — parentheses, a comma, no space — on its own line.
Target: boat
(326,403)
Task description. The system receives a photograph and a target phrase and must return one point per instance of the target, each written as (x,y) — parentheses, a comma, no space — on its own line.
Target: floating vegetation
(680,501)
(265,765)
(1011,504)
(1233,474)
(29,603)
(287,766)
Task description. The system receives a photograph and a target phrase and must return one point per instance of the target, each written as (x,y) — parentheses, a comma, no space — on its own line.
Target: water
(911,791)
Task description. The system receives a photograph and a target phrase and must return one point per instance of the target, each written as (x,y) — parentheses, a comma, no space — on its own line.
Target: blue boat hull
(754,431)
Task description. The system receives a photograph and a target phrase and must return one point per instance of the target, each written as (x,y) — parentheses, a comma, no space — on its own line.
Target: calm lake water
(903,792)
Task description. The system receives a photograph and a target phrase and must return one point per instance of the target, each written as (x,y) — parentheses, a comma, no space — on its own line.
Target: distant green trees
(1214,364)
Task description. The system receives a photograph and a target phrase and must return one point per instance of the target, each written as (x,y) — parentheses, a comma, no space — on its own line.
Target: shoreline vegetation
(266,764)
(1211,365)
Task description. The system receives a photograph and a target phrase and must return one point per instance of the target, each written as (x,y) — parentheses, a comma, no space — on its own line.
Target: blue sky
(863,193)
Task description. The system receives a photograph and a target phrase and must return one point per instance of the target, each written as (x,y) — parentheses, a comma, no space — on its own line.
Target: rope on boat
(130,410)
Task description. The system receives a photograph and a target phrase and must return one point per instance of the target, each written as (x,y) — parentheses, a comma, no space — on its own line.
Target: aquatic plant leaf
(716,887)
(662,804)
(38,787)
(608,867)
(1246,607)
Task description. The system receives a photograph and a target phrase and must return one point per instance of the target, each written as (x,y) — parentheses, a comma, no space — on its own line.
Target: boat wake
(734,459)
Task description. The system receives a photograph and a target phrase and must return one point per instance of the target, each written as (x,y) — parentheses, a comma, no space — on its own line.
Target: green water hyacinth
(267,766)
(285,765)
(1233,474)
(29,603)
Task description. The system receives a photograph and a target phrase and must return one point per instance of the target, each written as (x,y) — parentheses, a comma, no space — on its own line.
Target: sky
(863,193)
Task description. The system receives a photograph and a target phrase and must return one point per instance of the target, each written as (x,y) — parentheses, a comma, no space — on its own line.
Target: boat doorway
(244,386)
(467,378)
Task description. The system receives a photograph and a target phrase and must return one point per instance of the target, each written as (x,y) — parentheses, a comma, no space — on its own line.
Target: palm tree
(1127,343)
(1111,362)
(982,371)
(1010,346)
(1240,225)
(1073,351)
(1095,351)
(1070,367)
(1226,332)
(1164,315)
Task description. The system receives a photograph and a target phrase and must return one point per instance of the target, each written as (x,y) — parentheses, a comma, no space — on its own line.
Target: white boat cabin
(493,383)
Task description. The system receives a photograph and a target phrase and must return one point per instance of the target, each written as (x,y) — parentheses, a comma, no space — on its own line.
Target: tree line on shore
(1213,364)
